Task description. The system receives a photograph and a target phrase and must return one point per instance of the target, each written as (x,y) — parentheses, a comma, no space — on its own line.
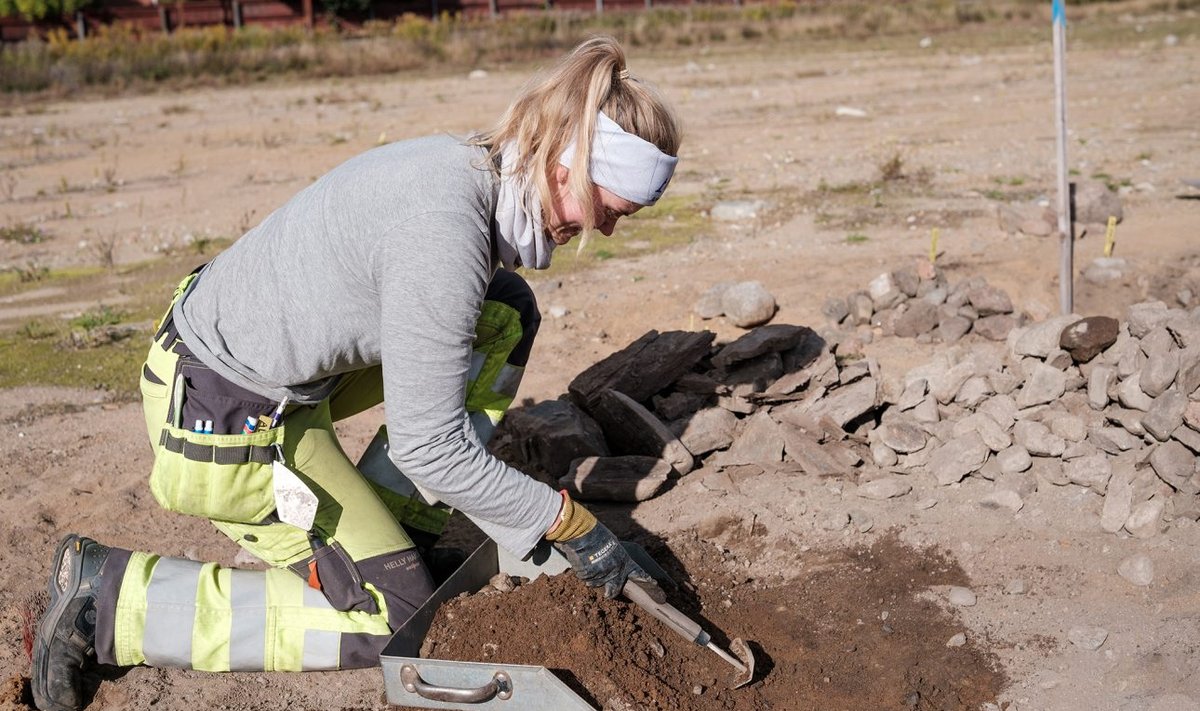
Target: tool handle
(667,614)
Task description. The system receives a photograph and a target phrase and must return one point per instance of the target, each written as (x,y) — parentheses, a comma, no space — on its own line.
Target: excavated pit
(852,631)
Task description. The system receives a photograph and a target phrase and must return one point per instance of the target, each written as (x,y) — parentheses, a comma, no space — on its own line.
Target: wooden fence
(169,15)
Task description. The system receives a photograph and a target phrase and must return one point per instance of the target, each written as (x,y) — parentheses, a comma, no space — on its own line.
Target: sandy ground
(150,174)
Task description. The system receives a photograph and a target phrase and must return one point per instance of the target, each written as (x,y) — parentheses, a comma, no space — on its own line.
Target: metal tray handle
(499,687)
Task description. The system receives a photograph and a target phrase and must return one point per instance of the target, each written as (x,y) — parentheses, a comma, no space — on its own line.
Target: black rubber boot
(65,644)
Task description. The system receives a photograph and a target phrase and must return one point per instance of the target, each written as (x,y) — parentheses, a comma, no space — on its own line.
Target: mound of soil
(858,631)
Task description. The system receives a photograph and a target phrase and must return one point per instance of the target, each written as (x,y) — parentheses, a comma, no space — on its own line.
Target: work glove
(596,555)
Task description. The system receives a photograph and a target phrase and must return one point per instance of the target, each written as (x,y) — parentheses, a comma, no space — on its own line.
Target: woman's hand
(599,559)
(595,553)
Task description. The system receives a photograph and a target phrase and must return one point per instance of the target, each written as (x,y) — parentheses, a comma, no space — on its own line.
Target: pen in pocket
(277,416)
(250,425)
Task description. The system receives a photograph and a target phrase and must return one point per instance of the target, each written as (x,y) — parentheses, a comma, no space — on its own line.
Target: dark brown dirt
(820,641)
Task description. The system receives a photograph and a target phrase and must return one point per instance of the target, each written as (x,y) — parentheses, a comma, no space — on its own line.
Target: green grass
(27,273)
(38,352)
(100,316)
(210,246)
(42,351)
(45,361)
(673,222)
(1110,182)
(22,233)
(36,330)
(857,238)
(18,279)
(115,58)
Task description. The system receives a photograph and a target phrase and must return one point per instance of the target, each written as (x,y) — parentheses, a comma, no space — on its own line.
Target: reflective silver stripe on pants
(508,380)
(171,613)
(478,358)
(248,621)
(321,650)
(315,598)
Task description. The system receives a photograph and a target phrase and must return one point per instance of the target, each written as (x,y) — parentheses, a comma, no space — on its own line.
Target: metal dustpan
(438,684)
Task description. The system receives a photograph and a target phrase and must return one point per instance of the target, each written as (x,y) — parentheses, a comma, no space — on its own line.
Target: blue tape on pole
(1060,12)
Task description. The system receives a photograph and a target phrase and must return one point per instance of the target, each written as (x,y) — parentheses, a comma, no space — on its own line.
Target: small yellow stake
(1110,236)
(933,240)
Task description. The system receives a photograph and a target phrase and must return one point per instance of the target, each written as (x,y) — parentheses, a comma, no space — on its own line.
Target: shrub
(22,233)
(102,315)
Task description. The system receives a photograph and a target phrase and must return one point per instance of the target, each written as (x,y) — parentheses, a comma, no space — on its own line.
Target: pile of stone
(1111,406)
(669,402)
(1092,204)
(919,302)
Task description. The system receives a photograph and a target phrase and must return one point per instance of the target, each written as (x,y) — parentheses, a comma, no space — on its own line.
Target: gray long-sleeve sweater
(385,259)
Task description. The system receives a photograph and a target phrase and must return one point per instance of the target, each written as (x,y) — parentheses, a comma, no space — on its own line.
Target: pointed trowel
(742,658)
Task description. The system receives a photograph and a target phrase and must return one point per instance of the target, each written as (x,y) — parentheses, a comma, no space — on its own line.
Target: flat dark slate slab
(642,368)
(554,433)
(764,339)
(630,428)
(627,478)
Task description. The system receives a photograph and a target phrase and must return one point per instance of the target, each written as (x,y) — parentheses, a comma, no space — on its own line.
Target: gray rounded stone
(709,303)
(1138,569)
(1014,460)
(902,437)
(962,597)
(748,304)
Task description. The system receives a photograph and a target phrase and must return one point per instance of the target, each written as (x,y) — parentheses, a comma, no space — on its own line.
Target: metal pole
(1066,275)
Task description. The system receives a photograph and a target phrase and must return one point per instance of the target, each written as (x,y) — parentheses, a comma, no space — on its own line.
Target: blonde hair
(561,107)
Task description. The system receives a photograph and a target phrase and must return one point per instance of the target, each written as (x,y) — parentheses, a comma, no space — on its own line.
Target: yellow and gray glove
(595,554)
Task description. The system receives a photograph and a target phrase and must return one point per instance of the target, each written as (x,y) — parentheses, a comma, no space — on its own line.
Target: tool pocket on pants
(225,475)
(331,570)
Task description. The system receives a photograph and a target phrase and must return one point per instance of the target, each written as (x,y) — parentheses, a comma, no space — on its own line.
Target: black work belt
(236,454)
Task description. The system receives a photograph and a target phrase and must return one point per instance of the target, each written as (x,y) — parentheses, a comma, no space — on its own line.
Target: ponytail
(562,107)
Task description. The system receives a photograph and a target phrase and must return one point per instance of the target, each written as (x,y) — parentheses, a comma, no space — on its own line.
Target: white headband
(624,164)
